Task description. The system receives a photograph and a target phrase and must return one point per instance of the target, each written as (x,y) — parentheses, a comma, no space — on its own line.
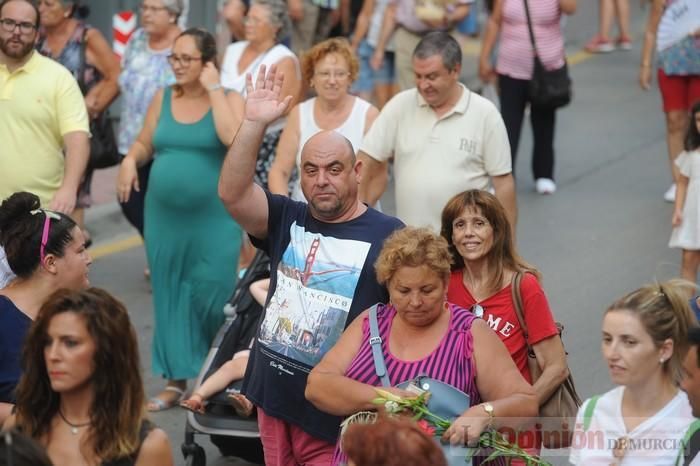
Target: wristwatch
(488,407)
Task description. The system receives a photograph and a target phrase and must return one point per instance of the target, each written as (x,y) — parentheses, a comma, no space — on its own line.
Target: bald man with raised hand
(322,272)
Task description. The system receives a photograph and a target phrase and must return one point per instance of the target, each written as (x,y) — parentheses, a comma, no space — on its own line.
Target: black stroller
(233,435)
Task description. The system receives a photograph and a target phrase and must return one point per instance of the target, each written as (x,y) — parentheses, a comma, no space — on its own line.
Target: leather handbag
(445,400)
(104,152)
(558,413)
(547,88)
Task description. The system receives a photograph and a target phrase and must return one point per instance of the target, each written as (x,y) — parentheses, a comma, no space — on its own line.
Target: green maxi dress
(192,243)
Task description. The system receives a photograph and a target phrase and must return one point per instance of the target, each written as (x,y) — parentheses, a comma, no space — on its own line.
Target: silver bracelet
(213,88)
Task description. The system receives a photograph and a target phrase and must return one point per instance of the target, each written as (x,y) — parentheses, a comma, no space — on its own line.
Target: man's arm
(504,185)
(373,178)
(77,148)
(245,200)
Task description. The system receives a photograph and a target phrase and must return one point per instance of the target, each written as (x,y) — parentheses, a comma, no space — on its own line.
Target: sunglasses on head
(49,215)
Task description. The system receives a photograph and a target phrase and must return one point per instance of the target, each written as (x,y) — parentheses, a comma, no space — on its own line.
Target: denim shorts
(367,77)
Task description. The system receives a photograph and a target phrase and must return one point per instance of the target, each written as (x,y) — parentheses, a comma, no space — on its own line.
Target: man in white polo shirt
(444,139)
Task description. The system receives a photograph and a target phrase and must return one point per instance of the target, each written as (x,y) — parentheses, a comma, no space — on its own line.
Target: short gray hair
(279,17)
(439,43)
(174,6)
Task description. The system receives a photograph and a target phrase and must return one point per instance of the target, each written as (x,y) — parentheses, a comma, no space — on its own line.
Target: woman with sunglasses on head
(644,419)
(192,243)
(65,37)
(81,395)
(485,261)
(46,252)
(145,70)
(329,68)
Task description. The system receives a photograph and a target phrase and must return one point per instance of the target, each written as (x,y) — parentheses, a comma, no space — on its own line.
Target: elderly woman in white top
(329,67)
(266,24)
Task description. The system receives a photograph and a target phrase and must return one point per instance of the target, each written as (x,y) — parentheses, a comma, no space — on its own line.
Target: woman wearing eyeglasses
(644,419)
(485,260)
(145,70)
(266,25)
(66,38)
(46,251)
(192,243)
(330,68)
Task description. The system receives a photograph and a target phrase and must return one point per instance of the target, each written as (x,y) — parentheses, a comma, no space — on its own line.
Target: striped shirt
(515,54)
(451,362)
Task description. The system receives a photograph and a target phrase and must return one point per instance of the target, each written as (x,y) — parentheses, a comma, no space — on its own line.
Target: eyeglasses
(47,227)
(478,310)
(182,60)
(151,9)
(252,21)
(326,75)
(10,25)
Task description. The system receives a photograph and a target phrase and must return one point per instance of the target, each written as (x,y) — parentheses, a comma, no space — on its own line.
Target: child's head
(692,139)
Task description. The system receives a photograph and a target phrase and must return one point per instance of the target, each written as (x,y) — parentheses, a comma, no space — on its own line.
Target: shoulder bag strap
(517,298)
(692,429)
(529,27)
(588,412)
(83,60)
(376,342)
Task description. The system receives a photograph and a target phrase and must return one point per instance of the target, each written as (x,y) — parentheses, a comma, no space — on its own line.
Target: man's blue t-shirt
(322,277)
(14,325)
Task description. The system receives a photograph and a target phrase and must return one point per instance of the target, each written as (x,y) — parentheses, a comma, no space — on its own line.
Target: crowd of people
(284,142)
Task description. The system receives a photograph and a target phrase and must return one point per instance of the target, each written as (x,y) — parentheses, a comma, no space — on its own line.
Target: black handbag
(547,88)
(104,152)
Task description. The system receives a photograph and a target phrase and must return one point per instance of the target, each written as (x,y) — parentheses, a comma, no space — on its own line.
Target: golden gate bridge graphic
(308,272)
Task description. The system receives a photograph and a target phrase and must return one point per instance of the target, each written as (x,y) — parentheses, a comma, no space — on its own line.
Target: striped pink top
(515,54)
(451,362)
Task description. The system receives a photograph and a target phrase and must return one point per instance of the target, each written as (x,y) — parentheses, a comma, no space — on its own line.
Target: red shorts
(285,444)
(678,92)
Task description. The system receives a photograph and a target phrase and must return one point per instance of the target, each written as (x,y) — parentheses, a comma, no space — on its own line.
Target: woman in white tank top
(330,68)
(266,23)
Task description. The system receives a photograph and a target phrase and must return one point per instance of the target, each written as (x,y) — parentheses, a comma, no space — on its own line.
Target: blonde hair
(413,247)
(663,310)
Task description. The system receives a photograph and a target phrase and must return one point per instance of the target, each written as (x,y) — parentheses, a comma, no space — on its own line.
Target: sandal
(194,403)
(158,404)
(242,405)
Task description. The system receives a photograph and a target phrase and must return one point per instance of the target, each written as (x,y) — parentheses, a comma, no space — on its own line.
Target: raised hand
(262,103)
(209,77)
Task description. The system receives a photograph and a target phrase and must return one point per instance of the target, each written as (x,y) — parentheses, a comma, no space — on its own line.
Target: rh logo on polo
(467,145)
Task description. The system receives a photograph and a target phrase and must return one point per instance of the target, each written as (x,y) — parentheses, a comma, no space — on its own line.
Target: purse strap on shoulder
(517,298)
(529,27)
(375,342)
(83,59)
(588,412)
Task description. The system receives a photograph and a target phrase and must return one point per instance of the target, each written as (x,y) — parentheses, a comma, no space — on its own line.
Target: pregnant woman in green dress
(192,243)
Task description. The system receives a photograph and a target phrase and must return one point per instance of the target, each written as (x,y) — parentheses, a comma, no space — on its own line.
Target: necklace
(73,427)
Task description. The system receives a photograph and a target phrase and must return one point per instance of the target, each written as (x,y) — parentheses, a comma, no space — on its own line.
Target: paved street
(603,233)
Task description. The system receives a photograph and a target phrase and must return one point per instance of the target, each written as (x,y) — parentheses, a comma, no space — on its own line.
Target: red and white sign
(123,26)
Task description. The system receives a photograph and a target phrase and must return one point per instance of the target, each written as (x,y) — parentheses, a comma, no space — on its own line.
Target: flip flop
(157,404)
(242,405)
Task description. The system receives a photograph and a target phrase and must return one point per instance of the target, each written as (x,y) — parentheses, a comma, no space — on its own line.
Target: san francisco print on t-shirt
(316,281)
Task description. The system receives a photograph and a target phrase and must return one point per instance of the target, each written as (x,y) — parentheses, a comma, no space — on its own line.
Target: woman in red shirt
(485,260)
